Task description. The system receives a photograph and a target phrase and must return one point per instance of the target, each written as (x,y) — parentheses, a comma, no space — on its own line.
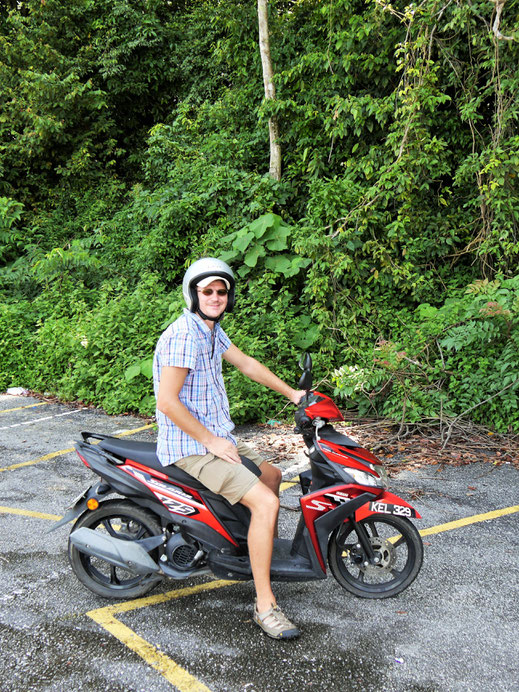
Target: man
(195,428)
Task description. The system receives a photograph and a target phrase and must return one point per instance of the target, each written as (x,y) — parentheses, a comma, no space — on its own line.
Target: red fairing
(314,505)
(385,499)
(324,408)
(346,457)
(179,500)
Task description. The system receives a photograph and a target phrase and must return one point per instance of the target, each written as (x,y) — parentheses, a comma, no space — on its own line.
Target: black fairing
(328,432)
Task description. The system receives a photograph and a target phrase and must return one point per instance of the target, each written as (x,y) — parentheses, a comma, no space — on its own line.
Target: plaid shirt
(189,343)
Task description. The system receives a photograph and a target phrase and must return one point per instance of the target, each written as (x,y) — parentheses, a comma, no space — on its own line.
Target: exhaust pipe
(128,555)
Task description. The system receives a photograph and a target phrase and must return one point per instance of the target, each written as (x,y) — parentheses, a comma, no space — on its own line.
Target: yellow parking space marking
(136,430)
(53,455)
(466,521)
(137,603)
(46,457)
(20,408)
(29,513)
(175,674)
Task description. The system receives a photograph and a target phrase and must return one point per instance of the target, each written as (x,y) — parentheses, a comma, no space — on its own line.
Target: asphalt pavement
(454,629)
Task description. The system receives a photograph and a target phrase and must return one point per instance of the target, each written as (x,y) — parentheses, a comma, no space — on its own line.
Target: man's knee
(261,500)
(270,475)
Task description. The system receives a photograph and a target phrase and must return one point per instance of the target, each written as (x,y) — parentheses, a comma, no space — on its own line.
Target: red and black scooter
(170,525)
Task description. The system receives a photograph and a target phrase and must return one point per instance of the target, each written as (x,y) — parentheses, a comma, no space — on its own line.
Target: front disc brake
(385,553)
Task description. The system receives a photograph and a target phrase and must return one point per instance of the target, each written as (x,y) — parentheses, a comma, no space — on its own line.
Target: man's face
(211,302)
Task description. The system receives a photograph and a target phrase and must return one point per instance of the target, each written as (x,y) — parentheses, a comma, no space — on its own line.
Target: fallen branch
(464,413)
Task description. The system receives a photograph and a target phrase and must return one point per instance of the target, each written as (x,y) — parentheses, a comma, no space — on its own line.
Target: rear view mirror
(305,381)
(305,362)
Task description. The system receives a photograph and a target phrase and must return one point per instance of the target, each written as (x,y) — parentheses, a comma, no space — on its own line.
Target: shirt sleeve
(179,351)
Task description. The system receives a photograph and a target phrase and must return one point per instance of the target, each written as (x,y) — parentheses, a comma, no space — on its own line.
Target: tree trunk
(270,91)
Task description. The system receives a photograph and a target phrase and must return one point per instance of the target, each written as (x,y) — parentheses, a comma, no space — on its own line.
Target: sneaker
(276,624)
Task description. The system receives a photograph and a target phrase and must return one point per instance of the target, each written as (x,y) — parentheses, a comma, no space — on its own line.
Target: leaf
(252,256)
(132,372)
(261,224)
(278,240)
(242,242)
(307,337)
(147,368)
(227,256)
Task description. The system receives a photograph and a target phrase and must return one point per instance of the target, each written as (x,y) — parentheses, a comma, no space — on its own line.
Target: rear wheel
(127,522)
(398,555)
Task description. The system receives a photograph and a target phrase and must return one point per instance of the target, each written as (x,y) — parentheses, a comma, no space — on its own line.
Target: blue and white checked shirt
(189,343)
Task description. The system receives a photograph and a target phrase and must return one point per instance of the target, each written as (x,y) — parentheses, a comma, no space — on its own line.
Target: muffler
(126,554)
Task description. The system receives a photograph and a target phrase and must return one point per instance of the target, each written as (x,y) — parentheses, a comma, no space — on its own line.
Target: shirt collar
(200,322)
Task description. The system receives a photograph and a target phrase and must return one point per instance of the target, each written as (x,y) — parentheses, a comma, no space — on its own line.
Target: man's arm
(260,373)
(168,402)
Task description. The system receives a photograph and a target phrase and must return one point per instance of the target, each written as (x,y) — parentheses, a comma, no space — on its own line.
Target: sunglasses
(210,291)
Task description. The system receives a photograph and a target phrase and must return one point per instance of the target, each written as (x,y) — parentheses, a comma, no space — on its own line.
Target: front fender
(387,503)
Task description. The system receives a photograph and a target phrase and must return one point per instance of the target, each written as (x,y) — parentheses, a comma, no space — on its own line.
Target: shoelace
(275,618)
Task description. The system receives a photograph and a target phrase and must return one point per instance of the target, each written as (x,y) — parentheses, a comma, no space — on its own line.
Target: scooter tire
(126,521)
(397,545)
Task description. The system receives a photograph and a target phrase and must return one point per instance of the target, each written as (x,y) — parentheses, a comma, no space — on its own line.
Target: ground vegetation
(134,138)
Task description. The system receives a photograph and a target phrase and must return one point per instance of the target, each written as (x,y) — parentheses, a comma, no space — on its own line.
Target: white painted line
(39,420)
(295,467)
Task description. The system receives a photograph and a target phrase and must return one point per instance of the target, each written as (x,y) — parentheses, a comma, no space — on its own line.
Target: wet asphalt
(454,629)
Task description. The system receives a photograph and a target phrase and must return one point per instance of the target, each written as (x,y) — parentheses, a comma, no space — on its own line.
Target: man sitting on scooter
(195,428)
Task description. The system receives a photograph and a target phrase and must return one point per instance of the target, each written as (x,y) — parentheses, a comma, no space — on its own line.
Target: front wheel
(398,555)
(126,521)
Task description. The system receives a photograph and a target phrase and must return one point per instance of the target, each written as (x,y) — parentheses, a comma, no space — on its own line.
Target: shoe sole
(289,634)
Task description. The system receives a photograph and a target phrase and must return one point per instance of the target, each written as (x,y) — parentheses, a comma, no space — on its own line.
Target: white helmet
(206,270)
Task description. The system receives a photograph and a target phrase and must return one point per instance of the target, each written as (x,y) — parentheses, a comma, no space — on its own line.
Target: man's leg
(264,506)
(271,476)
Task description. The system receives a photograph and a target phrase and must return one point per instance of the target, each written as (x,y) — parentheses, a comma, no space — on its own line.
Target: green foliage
(83,349)
(461,357)
(267,234)
(11,239)
(134,139)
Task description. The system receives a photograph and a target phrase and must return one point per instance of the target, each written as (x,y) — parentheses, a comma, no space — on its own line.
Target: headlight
(364,478)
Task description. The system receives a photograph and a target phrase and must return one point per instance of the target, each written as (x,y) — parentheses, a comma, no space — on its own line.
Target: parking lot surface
(454,629)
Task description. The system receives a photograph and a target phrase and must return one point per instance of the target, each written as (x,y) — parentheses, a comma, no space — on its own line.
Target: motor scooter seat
(145,453)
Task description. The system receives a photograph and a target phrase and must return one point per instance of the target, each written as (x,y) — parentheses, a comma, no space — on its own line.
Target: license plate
(397,510)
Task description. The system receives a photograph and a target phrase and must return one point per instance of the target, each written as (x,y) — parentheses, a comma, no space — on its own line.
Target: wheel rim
(125,528)
(394,551)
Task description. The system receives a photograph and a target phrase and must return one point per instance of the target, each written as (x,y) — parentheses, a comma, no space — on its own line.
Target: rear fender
(79,505)
(387,503)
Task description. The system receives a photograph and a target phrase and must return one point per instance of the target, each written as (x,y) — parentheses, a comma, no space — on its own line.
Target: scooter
(168,525)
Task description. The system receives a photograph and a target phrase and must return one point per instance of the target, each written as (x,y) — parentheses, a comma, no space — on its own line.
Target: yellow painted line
(285,485)
(466,521)
(132,432)
(53,455)
(175,674)
(20,408)
(28,513)
(137,603)
(38,460)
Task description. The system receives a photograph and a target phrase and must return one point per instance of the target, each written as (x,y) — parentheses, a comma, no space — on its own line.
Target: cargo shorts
(232,481)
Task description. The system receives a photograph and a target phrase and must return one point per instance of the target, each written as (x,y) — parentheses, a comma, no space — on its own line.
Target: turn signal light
(92,503)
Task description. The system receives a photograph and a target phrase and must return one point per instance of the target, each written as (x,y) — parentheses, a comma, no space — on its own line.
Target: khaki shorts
(232,481)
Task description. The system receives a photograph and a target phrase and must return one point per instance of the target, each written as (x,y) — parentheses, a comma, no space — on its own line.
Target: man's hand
(224,450)
(297,395)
